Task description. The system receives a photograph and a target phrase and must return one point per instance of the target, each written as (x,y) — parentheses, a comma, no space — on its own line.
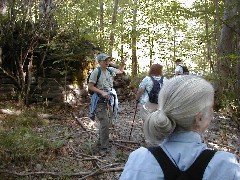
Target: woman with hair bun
(185,110)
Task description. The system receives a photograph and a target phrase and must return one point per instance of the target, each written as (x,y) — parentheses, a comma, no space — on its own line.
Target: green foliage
(229,104)
(121,157)
(226,101)
(23,146)
(22,120)
(165,30)
(136,80)
(20,141)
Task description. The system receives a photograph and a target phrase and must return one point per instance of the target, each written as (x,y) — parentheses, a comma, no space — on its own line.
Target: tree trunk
(29,80)
(238,75)
(28,4)
(122,37)
(134,41)
(3,12)
(122,51)
(3,7)
(45,7)
(238,59)
(217,42)
(114,17)
(101,24)
(150,42)
(226,48)
(208,39)
(151,51)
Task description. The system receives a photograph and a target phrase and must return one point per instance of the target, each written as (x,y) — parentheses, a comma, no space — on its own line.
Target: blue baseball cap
(102,57)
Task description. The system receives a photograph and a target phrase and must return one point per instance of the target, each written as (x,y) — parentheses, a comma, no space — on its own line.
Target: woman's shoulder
(146,79)
(141,152)
(226,156)
(225,160)
(223,165)
(142,165)
(142,156)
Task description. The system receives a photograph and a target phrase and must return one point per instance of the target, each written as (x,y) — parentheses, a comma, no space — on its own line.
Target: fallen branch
(10,112)
(78,154)
(123,141)
(33,115)
(102,170)
(79,121)
(82,174)
(123,146)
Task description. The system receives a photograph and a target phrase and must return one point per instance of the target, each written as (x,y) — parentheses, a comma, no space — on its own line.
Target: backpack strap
(99,73)
(171,172)
(154,80)
(109,70)
(198,168)
(160,81)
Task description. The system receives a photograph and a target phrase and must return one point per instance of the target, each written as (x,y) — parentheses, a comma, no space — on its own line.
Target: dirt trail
(79,159)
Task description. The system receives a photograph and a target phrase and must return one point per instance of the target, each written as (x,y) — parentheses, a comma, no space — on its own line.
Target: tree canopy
(205,36)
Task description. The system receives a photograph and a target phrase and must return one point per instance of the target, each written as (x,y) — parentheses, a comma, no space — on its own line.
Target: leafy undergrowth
(60,142)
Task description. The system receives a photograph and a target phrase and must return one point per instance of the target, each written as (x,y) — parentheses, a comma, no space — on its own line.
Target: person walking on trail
(179,68)
(175,131)
(104,101)
(155,74)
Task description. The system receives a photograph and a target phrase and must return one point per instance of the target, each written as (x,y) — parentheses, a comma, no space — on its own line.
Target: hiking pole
(135,112)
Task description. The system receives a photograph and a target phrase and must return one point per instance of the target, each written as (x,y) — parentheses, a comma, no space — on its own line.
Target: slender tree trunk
(151,50)
(28,8)
(0,56)
(121,49)
(3,12)
(238,75)
(150,42)
(45,7)
(217,42)
(3,7)
(134,41)
(208,39)
(226,48)
(29,80)
(102,40)
(114,17)
(174,42)
(238,60)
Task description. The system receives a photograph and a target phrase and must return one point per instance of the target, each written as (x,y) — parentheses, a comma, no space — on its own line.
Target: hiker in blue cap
(104,101)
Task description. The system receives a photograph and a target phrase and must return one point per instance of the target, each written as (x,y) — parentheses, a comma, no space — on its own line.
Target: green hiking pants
(105,115)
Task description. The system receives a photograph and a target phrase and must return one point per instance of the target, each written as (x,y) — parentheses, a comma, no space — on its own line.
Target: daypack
(185,69)
(98,76)
(153,94)
(171,172)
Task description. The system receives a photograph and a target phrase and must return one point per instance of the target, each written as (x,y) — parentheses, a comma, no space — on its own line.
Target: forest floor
(78,159)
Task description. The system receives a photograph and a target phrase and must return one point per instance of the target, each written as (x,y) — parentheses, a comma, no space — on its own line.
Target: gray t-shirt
(105,81)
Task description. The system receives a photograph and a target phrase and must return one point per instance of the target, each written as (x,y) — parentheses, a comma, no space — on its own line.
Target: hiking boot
(92,117)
